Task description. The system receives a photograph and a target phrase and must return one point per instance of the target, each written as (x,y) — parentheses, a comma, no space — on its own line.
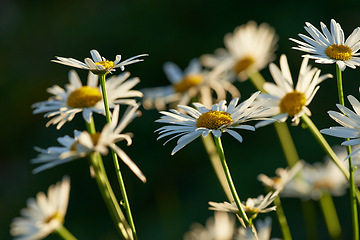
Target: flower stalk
(230,181)
(106,190)
(330,215)
(282,219)
(354,212)
(64,233)
(115,159)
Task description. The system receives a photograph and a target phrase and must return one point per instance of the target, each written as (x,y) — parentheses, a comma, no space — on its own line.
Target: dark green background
(179,187)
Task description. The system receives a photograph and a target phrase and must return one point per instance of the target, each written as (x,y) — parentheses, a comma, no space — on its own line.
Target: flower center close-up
(106,64)
(84,97)
(338,52)
(188,81)
(56,216)
(243,64)
(292,103)
(214,120)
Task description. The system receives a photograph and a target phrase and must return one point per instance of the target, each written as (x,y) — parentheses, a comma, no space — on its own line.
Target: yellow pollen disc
(243,64)
(213,120)
(95,138)
(292,103)
(56,216)
(338,52)
(322,184)
(84,97)
(188,81)
(106,64)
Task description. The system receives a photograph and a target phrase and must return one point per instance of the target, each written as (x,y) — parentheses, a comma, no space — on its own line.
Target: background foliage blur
(179,187)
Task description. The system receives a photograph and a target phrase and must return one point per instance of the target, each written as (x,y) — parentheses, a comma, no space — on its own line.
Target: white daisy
(330,47)
(202,121)
(283,177)
(76,98)
(252,206)
(219,227)
(84,143)
(283,99)
(350,122)
(315,180)
(193,82)
(263,228)
(249,47)
(98,64)
(43,215)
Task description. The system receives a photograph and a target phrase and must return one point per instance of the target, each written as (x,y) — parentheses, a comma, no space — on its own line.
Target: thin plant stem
(64,233)
(330,215)
(309,214)
(354,212)
(230,181)
(282,219)
(106,191)
(216,163)
(115,160)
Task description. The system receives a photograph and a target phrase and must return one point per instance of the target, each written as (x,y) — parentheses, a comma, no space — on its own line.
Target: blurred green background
(179,187)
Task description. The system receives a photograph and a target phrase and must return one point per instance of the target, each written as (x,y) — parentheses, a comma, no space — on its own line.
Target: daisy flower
(330,47)
(250,47)
(193,82)
(43,215)
(85,143)
(315,180)
(76,98)
(350,121)
(202,121)
(252,206)
(283,99)
(221,226)
(283,177)
(98,64)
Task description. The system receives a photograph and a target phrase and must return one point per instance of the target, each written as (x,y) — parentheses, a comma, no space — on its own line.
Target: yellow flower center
(338,52)
(106,64)
(323,184)
(84,97)
(188,81)
(213,120)
(292,103)
(56,216)
(95,138)
(243,64)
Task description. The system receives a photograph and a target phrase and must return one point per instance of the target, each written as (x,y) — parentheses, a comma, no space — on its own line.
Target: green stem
(106,190)
(330,215)
(282,219)
(64,233)
(216,163)
(355,221)
(230,181)
(287,143)
(115,160)
(257,79)
(309,214)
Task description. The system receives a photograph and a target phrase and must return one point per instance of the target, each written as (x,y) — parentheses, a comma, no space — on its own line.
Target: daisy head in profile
(285,100)
(192,82)
(44,214)
(86,99)
(252,206)
(84,143)
(98,64)
(329,47)
(250,47)
(200,121)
